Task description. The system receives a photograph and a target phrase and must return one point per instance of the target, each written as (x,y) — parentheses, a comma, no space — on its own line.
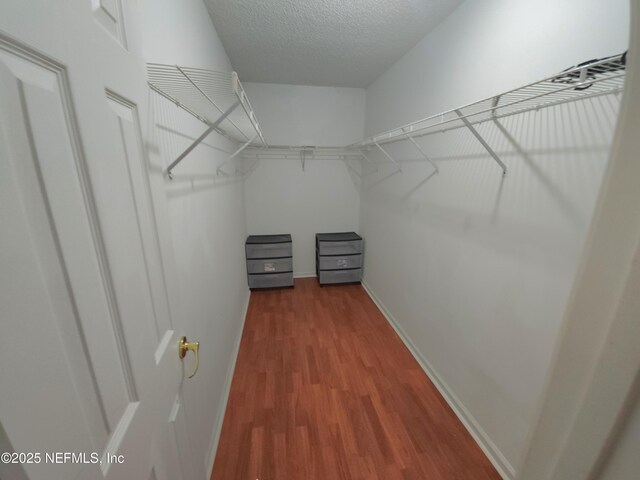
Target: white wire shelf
(207,94)
(215,98)
(602,77)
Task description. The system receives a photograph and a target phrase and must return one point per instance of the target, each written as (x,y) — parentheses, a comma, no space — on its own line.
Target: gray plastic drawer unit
(339,276)
(269,262)
(271,280)
(268,250)
(270,265)
(339,257)
(338,243)
(340,262)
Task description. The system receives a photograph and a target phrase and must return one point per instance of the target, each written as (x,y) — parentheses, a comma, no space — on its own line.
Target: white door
(89,369)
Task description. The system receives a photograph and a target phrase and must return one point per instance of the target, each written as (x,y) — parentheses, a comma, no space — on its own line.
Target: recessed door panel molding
(109,15)
(130,149)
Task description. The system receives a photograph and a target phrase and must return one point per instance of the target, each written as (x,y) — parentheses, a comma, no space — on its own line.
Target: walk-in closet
(319,240)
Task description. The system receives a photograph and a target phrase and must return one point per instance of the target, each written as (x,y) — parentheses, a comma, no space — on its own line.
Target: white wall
(205,217)
(590,415)
(282,198)
(303,115)
(476,269)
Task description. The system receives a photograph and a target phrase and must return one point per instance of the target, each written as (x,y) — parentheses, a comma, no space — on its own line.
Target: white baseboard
(304,275)
(222,408)
(493,453)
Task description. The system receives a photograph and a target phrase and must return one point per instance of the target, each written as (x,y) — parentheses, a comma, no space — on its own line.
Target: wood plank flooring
(324,389)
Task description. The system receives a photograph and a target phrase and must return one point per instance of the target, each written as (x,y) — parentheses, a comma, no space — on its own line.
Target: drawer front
(270,280)
(340,262)
(262,239)
(268,250)
(340,248)
(339,276)
(270,265)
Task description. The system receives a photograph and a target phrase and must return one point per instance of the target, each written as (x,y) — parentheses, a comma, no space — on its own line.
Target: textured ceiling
(346,43)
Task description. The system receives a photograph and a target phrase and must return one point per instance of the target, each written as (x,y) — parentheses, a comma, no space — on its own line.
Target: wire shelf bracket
(482,141)
(213,98)
(198,140)
(426,157)
(386,154)
(235,154)
(368,160)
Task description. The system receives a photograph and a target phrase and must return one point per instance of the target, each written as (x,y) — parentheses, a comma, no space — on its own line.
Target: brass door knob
(184,346)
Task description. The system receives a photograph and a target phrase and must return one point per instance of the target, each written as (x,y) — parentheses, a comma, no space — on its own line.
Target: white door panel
(37,304)
(86,341)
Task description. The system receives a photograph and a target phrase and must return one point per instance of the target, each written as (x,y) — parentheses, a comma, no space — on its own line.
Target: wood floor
(324,389)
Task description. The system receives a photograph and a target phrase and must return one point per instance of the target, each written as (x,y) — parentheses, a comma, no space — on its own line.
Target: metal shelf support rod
(250,170)
(482,141)
(368,161)
(235,154)
(208,97)
(362,154)
(437,170)
(197,141)
(386,154)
